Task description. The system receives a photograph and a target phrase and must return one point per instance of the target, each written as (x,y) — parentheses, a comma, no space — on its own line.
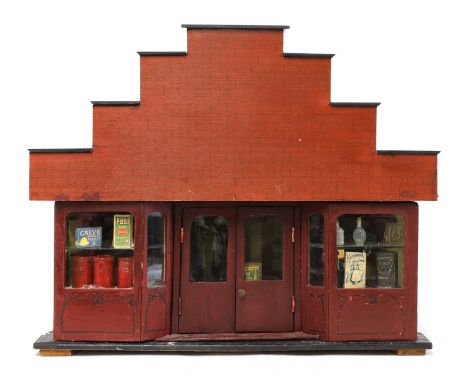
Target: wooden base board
(56,352)
(237,337)
(410,352)
(49,347)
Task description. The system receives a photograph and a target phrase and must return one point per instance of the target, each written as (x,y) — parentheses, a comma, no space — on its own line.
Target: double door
(236,270)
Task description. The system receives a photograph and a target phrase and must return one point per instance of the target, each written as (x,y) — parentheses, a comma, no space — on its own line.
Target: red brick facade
(233,119)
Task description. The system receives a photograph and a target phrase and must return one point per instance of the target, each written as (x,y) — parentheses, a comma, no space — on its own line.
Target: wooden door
(264,281)
(157,266)
(314,268)
(207,284)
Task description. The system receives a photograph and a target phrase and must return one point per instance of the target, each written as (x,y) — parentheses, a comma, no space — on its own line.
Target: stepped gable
(233,118)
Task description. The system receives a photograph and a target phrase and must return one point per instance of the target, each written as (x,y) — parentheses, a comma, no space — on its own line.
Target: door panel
(207,285)
(314,264)
(264,280)
(372,312)
(157,280)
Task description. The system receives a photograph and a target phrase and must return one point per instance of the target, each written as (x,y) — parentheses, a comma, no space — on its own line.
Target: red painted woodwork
(125,272)
(267,305)
(96,314)
(215,307)
(239,336)
(233,120)
(176,270)
(208,307)
(233,128)
(103,271)
(314,298)
(142,313)
(297,270)
(156,302)
(374,313)
(82,271)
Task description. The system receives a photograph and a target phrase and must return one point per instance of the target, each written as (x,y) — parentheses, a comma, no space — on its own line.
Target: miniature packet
(123,231)
(252,271)
(88,237)
(355,270)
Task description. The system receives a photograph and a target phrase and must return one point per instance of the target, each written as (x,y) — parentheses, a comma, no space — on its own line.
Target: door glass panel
(208,249)
(370,251)
(156,250)
(263,251)
(316,250)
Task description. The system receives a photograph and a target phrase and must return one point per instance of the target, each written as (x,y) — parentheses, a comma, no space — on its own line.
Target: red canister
(82,271)
(125,272)
(104,271)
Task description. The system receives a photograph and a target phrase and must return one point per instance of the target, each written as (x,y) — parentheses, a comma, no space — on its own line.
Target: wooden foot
(55,352)
(410,352)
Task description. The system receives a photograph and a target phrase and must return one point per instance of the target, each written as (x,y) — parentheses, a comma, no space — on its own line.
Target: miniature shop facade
(333,271)
(234,199)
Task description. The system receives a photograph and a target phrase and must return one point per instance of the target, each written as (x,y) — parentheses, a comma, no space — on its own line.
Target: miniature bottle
(339,234)
(359,234)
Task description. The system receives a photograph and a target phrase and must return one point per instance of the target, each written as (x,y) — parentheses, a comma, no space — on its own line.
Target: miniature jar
(125,272)
(82,271)
(104,271)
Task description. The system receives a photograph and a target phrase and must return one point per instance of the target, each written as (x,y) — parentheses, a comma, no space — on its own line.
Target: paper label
(123,235)
(355,270)
(88,237)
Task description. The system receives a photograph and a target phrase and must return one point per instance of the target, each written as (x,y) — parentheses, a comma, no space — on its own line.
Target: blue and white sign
(88,237)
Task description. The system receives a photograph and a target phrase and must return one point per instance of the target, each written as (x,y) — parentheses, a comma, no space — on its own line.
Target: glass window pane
(370,251)
(316,249)
(156,274)
(99,250)
(263,252)
(208,249)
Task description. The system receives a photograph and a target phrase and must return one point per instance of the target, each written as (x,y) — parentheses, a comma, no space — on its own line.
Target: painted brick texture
(233,120)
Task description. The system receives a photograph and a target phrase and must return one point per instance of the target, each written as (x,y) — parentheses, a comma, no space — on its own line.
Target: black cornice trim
(46,151)
(115,103)
(249,27)
(162,53)
(309,55)
(406,152)
(354,104)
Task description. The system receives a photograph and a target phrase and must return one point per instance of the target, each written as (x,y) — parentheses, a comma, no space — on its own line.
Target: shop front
(142,271)
(234,202)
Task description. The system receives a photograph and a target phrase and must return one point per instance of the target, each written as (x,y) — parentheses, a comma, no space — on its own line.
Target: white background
(56,56)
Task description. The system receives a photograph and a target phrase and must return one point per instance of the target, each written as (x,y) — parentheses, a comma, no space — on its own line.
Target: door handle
(241,293)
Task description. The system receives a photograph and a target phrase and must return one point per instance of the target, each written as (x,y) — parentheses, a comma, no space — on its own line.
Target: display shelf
(107,250)
(315,245)
(370,245)
(93,288)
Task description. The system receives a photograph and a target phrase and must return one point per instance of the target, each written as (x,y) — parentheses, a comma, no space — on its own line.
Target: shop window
(316,250)
(263,250)
(156,274)
(208,249)
(99,250)
(370,251)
